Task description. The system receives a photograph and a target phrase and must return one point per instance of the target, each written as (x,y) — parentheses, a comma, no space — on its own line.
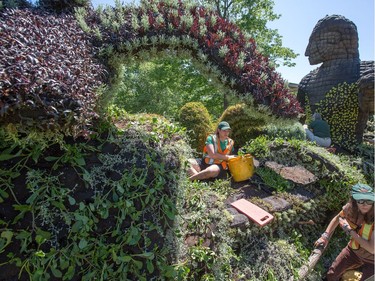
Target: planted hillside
(77,209)
(91,194)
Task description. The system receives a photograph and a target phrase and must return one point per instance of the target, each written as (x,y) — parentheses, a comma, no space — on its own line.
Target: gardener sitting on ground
(318,131)
(217,151)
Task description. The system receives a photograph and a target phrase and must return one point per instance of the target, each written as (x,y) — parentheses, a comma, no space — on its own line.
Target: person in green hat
(216,153)
(357,221)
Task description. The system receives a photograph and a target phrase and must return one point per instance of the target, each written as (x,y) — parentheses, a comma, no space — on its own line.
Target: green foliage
(62,5)
(196,119)
(340,190)
(254,17)
(246,122)
(198,37)
(203,212)
(335,173)
(340,109)
(13,4)
(308,113)
(163,84)
(274,180)
(365,160)
(287,129)
(267,259)
(140,193)
(258,147)
(130,198)
(202,260)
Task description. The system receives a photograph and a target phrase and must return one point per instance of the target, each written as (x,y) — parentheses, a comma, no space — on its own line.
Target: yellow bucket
(352,275)
(241,167)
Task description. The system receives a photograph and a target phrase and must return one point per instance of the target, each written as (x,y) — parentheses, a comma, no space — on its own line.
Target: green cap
(224,125)
(362,191)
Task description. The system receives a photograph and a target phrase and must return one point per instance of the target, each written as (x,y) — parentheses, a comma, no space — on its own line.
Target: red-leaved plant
(48,71)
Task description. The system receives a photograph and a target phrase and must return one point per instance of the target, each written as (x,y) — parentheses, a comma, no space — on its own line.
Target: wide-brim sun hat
(223,125)
(362,191)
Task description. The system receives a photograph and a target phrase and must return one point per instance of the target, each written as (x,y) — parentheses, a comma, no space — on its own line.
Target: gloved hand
(345,225)
(322,242)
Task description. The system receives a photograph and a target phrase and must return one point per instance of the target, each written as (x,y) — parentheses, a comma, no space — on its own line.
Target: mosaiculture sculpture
(334,43)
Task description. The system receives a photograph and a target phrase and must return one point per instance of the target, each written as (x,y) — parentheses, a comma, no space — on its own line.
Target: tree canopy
(252,16)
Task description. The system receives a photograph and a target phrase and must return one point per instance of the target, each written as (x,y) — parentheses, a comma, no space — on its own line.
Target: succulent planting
(340,109)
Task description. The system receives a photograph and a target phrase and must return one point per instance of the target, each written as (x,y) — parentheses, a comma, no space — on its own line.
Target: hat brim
(225,128)
(363,196)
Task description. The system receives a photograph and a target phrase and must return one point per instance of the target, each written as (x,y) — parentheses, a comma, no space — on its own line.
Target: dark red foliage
(48,71)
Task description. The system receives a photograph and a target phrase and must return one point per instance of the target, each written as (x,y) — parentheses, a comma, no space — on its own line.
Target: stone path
(255,188)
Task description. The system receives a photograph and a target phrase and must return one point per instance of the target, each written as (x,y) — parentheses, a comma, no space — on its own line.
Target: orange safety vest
(365,232)
(217,149)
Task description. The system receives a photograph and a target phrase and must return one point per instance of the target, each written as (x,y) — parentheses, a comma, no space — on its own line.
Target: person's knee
(213,171)
(194,165)
(309,135)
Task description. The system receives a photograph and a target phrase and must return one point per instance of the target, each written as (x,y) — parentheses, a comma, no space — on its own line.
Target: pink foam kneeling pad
(255,213)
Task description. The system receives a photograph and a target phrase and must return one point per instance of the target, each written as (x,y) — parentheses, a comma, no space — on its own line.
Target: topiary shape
(195,118)
(246,123)
(340,109)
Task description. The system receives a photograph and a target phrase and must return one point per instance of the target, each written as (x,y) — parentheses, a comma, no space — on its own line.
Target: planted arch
(227,52)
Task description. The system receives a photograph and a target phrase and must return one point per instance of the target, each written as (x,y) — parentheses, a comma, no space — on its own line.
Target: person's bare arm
(327,234)
(213,155)
(332,225)
(368,245)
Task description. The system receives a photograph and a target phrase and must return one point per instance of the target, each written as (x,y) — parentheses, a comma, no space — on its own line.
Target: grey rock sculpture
(334,43)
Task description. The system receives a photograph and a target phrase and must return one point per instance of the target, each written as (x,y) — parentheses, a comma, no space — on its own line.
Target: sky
(298,18)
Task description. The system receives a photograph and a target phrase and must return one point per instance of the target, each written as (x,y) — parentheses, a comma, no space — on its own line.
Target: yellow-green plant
(258,147)
(308,113)
(195,118)
(246,122)
(274,180)
(340,109)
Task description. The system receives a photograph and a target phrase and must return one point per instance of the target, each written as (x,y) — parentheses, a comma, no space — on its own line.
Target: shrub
(246,123)
(62,5)
(285,129)
(196,119)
